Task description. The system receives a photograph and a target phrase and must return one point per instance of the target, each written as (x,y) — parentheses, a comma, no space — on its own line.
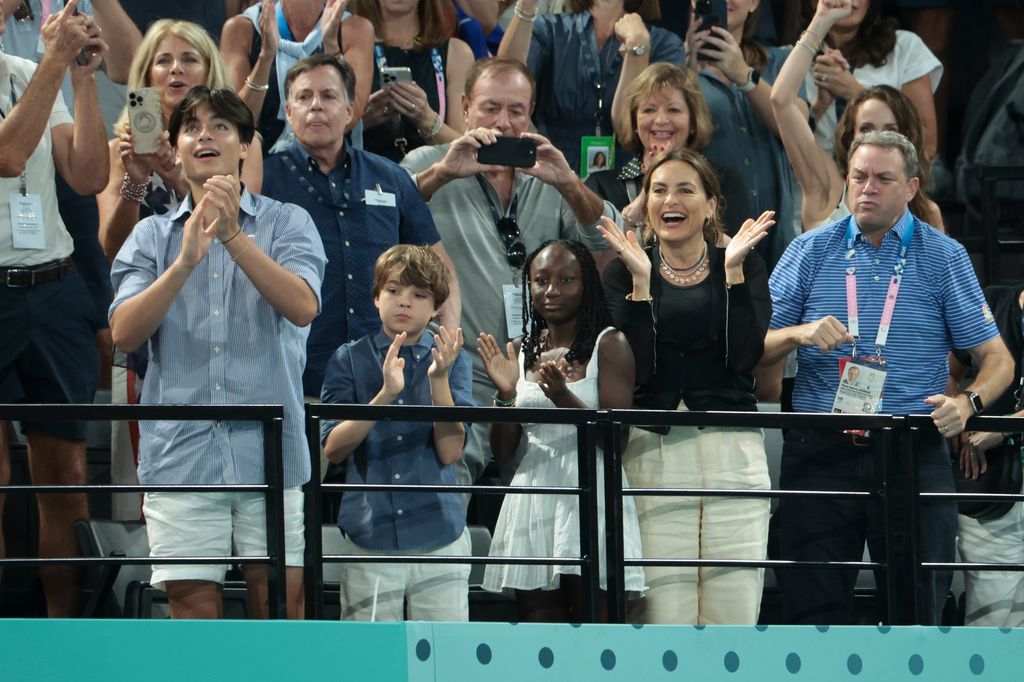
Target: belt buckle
(18,271)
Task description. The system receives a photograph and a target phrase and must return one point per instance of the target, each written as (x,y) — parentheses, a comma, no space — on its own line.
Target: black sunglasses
(515,252)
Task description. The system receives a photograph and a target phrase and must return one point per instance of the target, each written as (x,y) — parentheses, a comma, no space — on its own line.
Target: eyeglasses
(515,252)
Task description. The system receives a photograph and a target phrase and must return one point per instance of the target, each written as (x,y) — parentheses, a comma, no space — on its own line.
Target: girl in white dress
(569,357)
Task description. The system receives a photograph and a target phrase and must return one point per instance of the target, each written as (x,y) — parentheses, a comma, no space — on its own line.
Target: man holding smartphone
(491,215)
(47,317)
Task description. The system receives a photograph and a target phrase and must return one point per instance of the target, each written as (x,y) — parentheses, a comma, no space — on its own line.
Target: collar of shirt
(896,230)
(420,349)
(304,159)
(247,205)
(632,170)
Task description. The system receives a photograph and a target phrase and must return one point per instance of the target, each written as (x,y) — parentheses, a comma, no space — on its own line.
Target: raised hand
(269,35)
(141,166)
(196,240)
(728,56)
(502,369)
(833,10)
(446,349)
(628,246)
(551,378)
(748,236)
(330,23)
(224,194)
(460,160)
(551,167)
(630,30)
(393,369)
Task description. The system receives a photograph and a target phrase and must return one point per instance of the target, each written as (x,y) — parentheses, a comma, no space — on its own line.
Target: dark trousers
(836,529)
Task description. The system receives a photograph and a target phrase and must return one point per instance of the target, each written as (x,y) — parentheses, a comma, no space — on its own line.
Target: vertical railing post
(589,549)
(274,461)
(613,538)
(314,569)
(899,489)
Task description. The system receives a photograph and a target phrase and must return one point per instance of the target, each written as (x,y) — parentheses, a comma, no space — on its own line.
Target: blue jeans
(836,529)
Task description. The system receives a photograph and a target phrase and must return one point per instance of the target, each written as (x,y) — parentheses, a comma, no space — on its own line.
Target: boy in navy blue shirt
(403,364)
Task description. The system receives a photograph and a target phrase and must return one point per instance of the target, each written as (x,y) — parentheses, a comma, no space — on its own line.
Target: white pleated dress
(549,525)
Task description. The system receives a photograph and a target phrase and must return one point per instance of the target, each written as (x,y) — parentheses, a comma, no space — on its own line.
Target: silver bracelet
(133,191)
(434,129)
(258,88)
(800,43)
(523,15)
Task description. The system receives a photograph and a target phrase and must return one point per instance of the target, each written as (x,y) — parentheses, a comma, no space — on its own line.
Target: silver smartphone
(392,74)
(146,119)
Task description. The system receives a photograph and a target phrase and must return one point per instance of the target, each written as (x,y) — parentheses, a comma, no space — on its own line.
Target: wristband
(133,191)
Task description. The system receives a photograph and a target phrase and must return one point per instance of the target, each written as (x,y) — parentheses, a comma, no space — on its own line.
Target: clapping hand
(393,370)
(552,378)
(501,368)
(446,349)
(197,236)
(628,246)
(748,237)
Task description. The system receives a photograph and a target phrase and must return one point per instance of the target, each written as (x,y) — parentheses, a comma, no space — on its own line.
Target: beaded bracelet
(434,129)
(498,402)
(133,191)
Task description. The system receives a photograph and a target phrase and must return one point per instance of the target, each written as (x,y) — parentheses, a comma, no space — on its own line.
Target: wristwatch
(975,400)
(638,50)
(753,78)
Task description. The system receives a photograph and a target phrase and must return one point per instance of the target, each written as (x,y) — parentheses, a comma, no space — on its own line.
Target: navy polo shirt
(353,233)
(396,451)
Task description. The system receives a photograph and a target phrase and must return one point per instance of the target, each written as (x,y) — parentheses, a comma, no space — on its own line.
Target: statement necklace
(685,275)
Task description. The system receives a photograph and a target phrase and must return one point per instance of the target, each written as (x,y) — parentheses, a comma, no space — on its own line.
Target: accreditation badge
(861,379)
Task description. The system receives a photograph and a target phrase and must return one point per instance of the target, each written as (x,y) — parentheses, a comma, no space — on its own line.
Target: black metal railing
(271,418)
(893,439)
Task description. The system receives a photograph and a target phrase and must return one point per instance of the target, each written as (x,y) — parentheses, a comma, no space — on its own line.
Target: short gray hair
(890,139)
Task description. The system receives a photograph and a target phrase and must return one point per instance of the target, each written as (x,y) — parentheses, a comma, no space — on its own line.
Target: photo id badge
(596,154)
(860,385)
(27,221)
(513,297)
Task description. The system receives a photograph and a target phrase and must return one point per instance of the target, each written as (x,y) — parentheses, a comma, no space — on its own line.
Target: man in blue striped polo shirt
(846,272)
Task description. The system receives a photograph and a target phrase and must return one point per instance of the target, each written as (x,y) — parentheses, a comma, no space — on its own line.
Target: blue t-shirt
(354,234)
(396,451)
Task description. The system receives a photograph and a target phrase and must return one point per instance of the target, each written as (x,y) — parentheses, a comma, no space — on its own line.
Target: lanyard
(22,178)
(513,207)
(435,60)
(853,318)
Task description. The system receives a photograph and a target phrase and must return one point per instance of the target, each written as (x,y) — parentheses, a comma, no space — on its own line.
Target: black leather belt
(38,274)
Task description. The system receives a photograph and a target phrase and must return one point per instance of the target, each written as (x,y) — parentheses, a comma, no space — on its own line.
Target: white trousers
(994,598)
(700,528)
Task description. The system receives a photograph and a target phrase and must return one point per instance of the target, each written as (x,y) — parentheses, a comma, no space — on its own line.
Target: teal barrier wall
(155,651)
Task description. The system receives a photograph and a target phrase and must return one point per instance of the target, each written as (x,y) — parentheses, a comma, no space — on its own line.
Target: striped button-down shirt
(221,343)
(940,307)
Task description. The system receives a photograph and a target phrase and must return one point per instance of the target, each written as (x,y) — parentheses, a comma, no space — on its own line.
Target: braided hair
(594,316)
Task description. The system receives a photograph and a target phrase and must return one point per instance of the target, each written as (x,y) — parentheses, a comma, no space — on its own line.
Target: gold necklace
(686,275)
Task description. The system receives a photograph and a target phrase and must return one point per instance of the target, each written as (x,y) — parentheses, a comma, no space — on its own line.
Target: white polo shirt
(39,174)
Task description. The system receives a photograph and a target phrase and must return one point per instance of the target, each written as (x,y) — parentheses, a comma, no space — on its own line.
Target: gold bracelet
(800,43)
(629,297)
(244,249)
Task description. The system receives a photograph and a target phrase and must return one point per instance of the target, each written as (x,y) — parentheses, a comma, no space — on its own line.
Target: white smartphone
(391,74)
(146,119)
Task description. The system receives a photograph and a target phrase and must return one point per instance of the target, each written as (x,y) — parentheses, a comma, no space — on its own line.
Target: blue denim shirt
(353,234)
(396,451)
(221,342)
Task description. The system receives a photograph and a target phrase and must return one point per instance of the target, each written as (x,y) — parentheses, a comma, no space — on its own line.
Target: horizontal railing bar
(37,412)
(980,497)
(752,563)
(426,488)
(133,560)
(435,559)
(102,487)
(727,492)
(935,566)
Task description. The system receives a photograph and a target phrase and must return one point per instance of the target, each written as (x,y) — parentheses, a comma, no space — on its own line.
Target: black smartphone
(711,13)
(509,151)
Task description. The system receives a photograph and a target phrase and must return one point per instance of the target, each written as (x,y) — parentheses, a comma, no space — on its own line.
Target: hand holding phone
(391,74)
(146,119)
(518,152)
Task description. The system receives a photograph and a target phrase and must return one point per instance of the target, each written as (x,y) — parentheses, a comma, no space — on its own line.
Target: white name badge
(860,389)
(27,221)
(513,296)
(377,198)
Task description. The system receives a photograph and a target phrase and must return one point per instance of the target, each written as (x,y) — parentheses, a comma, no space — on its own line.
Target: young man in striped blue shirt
(846,272)
(222,292)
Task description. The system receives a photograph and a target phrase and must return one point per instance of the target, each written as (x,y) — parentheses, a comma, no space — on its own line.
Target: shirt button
(341,213)
(346,243)
(350,275)
(398,438)
(216,387)
(397,476)
(401,402)
(216,313)
(333,184)
(351,311)
(876,261)
(216,275)
(400,512)
(876,278)
(753,192)
(747,162)
(743,129)
(216,349)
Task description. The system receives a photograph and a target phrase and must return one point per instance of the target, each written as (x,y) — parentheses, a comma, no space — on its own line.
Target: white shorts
(371,591)
(204,524)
